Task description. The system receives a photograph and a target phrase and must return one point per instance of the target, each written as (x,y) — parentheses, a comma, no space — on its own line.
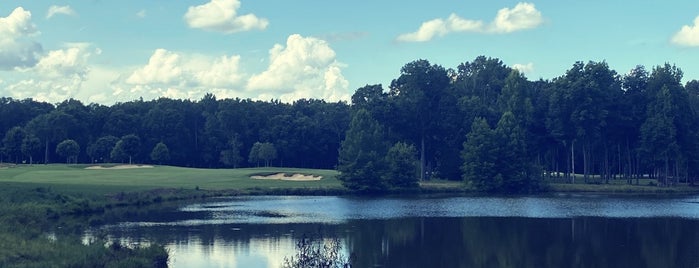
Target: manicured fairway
(77,178)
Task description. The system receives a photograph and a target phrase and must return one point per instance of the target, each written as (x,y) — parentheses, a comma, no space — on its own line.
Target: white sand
(120,167)
(283,176)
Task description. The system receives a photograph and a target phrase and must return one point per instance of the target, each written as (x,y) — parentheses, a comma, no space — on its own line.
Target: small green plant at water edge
(312,253)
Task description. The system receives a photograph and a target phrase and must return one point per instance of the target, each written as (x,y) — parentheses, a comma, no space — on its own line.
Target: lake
(542,231)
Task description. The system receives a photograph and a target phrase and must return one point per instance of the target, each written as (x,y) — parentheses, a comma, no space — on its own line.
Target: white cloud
(523,16)
(179,75)
(223,72)
(524,68)
(57,76)
(458,24)
(66,62)
(163,68)
(222,16)
(440,27)
(305,68)
(64,10)
(167,68)
(16,48)
(688,35)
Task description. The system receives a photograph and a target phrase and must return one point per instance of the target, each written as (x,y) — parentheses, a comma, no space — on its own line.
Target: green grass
(77,179)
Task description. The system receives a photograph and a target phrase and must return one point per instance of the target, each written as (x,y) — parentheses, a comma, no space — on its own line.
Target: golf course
(45,208)
(109,179)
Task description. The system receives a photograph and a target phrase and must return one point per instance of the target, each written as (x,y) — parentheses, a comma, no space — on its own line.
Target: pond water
(549,231)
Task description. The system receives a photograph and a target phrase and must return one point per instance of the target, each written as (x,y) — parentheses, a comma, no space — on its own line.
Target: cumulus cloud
(524,68)
(688,35)
(305,68)
(63,10)
(222,72)
(163,68)
(167,68)
(16,48)
(65,62)
(523,16)
(222,16)
(58,75)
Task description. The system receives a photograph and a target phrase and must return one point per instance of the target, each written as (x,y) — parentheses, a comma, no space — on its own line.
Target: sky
(100,51)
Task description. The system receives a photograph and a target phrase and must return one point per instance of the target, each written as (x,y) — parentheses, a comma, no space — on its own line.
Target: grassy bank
(45,208)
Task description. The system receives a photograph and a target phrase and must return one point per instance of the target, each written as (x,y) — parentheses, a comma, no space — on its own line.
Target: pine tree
(361,156)
(480,156)
(402,170)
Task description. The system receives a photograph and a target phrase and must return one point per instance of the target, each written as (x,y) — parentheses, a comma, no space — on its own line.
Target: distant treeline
(591,120)
(204,133)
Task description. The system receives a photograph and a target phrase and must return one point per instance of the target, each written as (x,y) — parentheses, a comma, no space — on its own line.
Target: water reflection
(570,231)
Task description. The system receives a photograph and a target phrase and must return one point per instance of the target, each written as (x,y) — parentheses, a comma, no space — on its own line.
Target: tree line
(482,121)
(486,123)
(208,133)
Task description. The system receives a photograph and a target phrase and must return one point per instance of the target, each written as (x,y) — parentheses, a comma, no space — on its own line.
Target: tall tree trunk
(607,165)
(46,152)
(572,161)
(637,169)
(422,158)
(667,164)
(585,163)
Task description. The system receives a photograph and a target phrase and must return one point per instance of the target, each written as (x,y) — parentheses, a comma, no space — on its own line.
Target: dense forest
(206,133)
(591,121)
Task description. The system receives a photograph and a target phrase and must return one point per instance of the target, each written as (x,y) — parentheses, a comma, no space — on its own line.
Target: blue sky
(112,51)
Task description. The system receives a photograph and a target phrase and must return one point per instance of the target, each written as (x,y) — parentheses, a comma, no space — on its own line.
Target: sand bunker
(120,167)
(287,177)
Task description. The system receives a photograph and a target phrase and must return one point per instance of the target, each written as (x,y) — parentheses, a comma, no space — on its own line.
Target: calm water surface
(555,231)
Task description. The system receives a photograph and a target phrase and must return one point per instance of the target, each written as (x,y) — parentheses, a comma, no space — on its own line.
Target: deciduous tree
(160,153)
(68,149)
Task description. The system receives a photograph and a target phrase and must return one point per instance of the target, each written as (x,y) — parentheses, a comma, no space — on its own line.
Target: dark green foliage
(31,147)
(100,151)
(160,153)
(230,156)
(306,133)
(480,157)
(497,160)
(254,155)
(401,166)
(68,149)
(262,151)
(267,153)
(416,97)
(12,143)
(127,148)
(361,161)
